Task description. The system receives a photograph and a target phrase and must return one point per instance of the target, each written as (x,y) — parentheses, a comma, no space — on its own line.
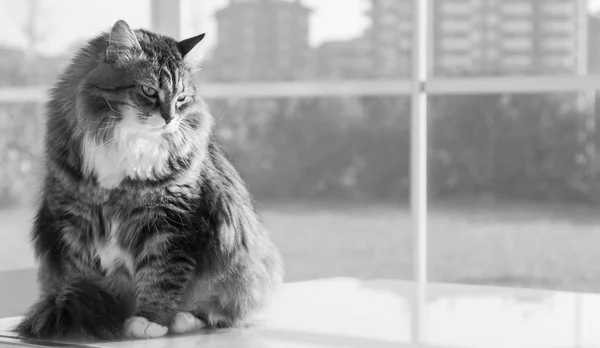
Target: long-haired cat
(143,227)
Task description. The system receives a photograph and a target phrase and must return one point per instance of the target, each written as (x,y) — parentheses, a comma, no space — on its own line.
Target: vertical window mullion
(418,163)
(419,140)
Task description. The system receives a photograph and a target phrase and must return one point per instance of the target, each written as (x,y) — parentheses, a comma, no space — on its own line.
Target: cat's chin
(137,154)
(156,130)
(152,131)
(149,134)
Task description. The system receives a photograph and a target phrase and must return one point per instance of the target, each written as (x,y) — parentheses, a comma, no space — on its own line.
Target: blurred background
(312,103)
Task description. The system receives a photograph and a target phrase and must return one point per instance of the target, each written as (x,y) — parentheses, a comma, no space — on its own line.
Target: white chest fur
(111,254)
(134,152)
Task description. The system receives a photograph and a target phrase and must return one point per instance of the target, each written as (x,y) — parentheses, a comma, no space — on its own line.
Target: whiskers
(185,128)
(143,116)
(105,144)
(105,128)
(110,106)
(102,125)
(182,141)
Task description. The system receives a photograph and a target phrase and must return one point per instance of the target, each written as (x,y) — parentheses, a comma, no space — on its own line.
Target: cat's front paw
(185,322)
(140,327)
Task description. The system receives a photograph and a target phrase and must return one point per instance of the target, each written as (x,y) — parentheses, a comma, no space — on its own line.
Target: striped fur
(139,216)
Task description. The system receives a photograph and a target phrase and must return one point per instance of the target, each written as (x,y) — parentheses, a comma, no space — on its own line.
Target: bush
(517,147)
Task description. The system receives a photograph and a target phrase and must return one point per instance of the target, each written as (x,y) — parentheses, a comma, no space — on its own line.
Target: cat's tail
(81,307)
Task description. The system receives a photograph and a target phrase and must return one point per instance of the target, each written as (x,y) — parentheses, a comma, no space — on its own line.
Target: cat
(143,226)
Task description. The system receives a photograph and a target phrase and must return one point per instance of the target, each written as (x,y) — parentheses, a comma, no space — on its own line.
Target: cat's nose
(167,112)
(168,118)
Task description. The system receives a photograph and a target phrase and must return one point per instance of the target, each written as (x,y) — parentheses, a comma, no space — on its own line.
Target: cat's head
(142,84)
(138,102)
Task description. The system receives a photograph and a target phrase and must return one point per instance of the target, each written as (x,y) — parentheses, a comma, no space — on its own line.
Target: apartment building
(390,37)
(262,40)
(480,36)
(348,59)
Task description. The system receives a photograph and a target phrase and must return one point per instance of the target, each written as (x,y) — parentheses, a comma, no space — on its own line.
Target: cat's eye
(149,92)
(181,98)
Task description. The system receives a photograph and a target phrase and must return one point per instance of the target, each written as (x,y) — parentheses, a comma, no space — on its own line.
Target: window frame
(419,87)
(166,18)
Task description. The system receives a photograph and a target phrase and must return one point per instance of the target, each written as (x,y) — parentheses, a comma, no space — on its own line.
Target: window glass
(514,191)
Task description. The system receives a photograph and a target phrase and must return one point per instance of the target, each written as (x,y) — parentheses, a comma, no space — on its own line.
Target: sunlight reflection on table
(351,313)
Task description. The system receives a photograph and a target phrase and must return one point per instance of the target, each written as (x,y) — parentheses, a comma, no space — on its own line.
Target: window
(518,9)
(491,53)
(455,61)
(557,27)
(336,156)
(318,147)
(450,25)
(518,26)
(513,161)
(559,61)
(519,44)
(559,44)
(455,44)
(517,60)
(559,8)
(455,8)
(35,45)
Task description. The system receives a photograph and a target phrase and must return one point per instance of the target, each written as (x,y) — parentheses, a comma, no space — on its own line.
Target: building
(594,56)
(507,36)
(261,40)
(342,59)
(480,36)
(594,44)
(390,37)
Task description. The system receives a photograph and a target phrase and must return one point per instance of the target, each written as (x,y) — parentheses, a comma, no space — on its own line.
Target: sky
(328,22)
(61,23)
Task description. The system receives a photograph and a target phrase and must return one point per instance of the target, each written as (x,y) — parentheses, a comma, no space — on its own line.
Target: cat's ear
(190,50)
(122,41)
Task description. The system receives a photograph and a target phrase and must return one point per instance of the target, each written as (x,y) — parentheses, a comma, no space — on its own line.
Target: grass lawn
(525,245)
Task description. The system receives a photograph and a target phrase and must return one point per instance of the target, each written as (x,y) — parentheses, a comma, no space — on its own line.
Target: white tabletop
(345,312)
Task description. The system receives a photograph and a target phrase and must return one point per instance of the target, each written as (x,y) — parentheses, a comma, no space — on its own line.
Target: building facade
(390,37)
(480,36)
(343,59)
(506,36)
(594,44)
(261,40)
